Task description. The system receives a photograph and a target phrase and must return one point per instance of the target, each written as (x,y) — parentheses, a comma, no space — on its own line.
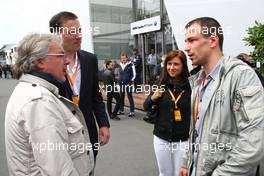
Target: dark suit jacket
(90,99)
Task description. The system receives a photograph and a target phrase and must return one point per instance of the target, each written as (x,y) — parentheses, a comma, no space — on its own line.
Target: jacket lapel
(83,74)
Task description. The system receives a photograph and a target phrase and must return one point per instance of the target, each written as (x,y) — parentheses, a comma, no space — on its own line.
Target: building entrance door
(149,41)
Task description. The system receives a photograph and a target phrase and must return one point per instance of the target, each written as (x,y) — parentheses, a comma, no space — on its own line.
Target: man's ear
(214,40)
(40,63)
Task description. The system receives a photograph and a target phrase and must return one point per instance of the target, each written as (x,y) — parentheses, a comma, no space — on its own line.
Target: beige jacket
(45,134)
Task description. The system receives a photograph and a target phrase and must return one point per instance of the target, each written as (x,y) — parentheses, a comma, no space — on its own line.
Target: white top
(77,83)
(152,59)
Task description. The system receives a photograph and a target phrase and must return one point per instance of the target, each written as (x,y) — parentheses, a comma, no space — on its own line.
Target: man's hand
(104,135)
(183,171)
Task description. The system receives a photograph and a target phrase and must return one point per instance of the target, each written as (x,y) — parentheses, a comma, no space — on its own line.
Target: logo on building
(146,25)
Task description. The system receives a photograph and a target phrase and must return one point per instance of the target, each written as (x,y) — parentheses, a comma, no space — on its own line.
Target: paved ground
(129,153)
(6,87)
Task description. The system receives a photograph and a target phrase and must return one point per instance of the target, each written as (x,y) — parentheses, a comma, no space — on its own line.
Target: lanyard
(74,76)
(175,99)
(196,105)
(177,112)
(198,99)
(72,80)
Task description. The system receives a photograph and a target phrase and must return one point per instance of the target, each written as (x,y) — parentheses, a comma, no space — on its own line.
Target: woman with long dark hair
(172,101)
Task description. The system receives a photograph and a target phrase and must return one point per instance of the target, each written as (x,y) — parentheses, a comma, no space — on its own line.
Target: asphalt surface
(129,152)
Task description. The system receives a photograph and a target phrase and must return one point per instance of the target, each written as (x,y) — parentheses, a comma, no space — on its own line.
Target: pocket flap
(73,125)
(250,91)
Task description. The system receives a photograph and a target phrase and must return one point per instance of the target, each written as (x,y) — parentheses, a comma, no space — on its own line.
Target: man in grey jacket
(45,133)
(227,124)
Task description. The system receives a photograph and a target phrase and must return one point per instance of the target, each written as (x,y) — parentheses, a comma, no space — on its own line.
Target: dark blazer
(90,99)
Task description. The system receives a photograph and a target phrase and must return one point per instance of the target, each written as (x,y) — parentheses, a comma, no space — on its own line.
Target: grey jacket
(45,134)
(232,136)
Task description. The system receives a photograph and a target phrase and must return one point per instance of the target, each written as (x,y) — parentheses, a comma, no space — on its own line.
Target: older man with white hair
(45,134)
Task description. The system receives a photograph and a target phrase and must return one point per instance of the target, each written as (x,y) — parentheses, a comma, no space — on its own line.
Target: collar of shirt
(123,65)
(133,58)
(77,83)
(214,73)
(72,70)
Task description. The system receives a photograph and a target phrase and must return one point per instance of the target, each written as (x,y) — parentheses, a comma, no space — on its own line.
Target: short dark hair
(107,63)
(57,20)
(185,72)
(209,23)
(135,49)
(246,58)
(123,54)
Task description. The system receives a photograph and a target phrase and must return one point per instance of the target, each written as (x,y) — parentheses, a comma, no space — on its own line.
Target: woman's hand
(157,94)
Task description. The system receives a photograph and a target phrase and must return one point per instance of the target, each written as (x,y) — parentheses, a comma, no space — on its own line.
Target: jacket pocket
(75,137)
(226,139)
(251,102)
(218,151)
(73,125)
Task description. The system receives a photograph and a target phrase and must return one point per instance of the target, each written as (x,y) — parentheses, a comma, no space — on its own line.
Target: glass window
(113,21)
(148,8)
(101,13)
(169,40)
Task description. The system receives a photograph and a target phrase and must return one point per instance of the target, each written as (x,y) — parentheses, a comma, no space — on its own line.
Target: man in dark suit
(82,77)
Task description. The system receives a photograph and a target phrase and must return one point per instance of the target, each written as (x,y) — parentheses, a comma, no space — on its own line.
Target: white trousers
(169,156)
(193,171)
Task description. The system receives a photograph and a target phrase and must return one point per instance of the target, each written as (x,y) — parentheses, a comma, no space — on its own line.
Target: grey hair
(32,48)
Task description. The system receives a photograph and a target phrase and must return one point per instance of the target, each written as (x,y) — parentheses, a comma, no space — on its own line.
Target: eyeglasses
(58,55)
